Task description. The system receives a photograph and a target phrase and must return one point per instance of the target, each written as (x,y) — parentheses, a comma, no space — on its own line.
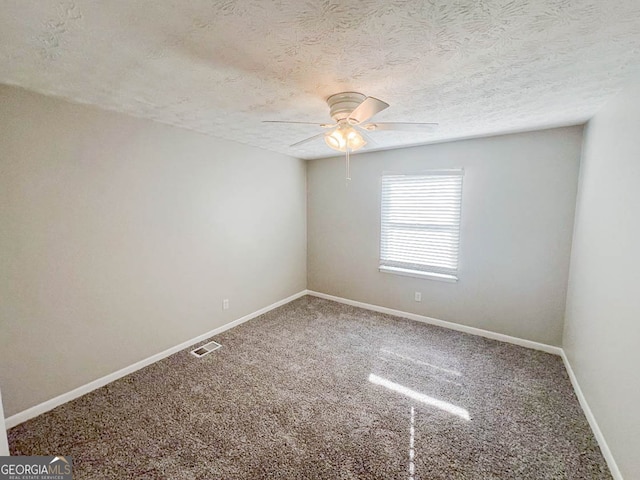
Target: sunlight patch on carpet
(421,397)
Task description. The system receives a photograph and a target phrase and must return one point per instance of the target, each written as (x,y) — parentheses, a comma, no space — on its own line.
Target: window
(420,224)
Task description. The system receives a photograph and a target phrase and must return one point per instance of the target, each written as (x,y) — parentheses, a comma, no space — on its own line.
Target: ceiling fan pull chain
(348,169)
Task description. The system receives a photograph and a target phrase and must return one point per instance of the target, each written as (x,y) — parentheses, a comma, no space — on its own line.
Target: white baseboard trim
(43,407)
(604,447)
(4,443)
(442,323)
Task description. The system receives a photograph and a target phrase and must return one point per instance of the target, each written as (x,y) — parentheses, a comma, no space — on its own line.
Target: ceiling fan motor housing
(342,104)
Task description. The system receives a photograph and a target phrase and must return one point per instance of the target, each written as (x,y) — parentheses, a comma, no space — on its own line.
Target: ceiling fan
(351,112)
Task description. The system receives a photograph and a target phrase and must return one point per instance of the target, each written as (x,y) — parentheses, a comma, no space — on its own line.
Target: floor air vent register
(205,349)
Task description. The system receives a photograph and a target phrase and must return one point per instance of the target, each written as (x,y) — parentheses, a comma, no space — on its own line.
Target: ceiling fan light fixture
(355,141)
(344,137)
(335,140)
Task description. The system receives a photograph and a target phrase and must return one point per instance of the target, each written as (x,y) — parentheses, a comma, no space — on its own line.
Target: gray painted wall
(120,237)
(517,219)
(602,331)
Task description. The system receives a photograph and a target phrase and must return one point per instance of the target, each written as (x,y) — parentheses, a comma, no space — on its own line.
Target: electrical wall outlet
(418,297)
(225,304)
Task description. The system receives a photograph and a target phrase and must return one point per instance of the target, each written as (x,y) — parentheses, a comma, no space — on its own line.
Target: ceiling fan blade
(367,109)
(310,139)
(407,127)
(323,125)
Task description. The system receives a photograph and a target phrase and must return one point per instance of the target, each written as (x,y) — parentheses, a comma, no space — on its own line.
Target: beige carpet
(317,389)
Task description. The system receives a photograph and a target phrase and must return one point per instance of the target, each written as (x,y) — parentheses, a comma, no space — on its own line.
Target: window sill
(442,277)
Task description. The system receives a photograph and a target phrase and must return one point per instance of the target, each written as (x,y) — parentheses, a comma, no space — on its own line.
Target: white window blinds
(420,224)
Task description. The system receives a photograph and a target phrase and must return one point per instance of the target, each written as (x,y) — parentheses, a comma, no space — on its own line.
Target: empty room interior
(325,240)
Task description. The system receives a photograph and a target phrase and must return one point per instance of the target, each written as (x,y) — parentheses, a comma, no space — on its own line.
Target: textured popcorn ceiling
(221,66)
